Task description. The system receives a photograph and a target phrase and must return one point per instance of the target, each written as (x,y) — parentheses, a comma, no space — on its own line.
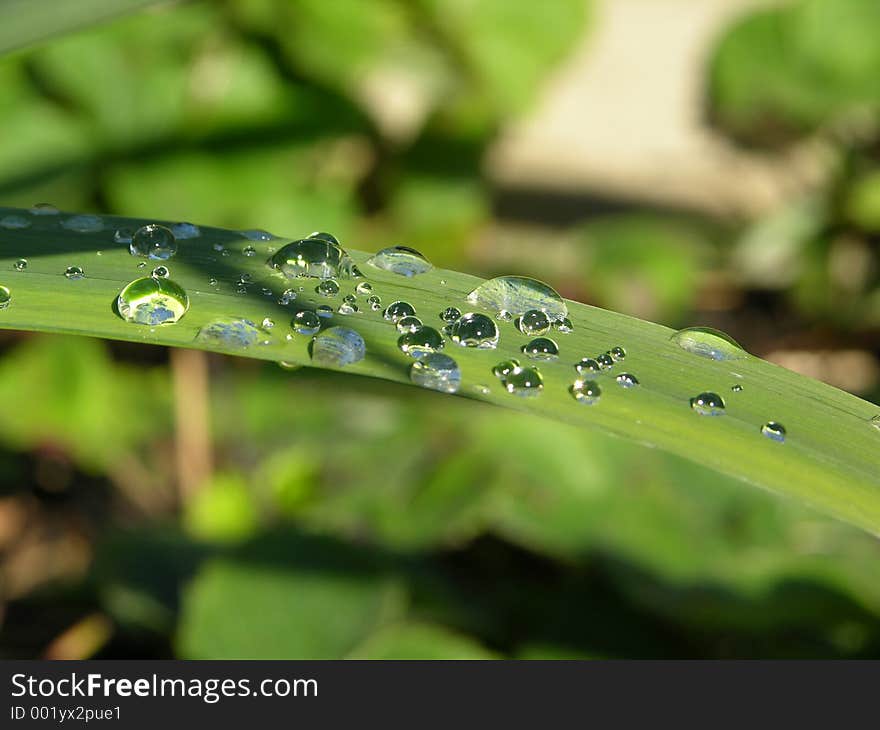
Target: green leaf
(829,458)
(419,641)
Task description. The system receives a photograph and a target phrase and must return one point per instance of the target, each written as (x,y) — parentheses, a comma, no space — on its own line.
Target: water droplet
(541,348)
(229,334)
(587,365)
(773,430)
(419,343)
(517,295)
(408,324)
(267,323)
(154,242)
(481,389)
(152,301)
(437,372)
(533,322)
(44,209)
(249,251)
(708,404)
(617,354)
(626,380)
(505,367)
(257,234)
(13,222)
(161,272)
(5,297)
(585,391)
(475,330)
(401,260)
(142,265)
(707,342)
(375,303)
(398,310)
(20,265)
(245,278)
(364,287)
(83,223)
(289,365)
(875,422)
(315,257)
(287,296)
(327,288)
(322,236)
(338,347)
(306,322)
(564,326)
(348,308)
(504,315)
(74,273)
(606,362)
(324,311)
(184,230)
(524,382)
(736,388)
(450,314)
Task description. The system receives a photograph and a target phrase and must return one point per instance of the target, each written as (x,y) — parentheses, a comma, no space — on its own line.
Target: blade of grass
(830,458)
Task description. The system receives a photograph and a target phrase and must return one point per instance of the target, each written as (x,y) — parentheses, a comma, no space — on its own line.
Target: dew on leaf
(305,322)
(229,334)
(408,324)
(450,314)
(523,381)
(627,380)
(44,209)
(152,301)
(708,404)
(74,273)
(153,242)
(533,322)
(83,223)
(5,297)
(475,330)
(587,365)
(401,260)
(419,343)
(338,347)
(437,372)
(541,348)
(517,295)
(184,230)
(315,257)
(586,392)
(20,265)
(327,288)
(14,222)
(709,343)
(398,310)
(774,431)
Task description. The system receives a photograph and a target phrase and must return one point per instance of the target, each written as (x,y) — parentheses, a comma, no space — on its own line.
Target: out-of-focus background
(707,162)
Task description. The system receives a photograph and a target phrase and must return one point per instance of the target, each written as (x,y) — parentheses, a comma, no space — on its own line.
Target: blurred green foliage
(348,518)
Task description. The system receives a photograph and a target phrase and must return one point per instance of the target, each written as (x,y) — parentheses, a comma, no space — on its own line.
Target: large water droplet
(316,257)
(475,330)
(152,301)
(229,334)
(533,323)
(541,348)
(185,230)
(525,382)
(83,223)
(74,273)
(398,310)
(773,430)
(710,343)
(153,242)
(708,404)
(586,392)
(5,297)
(517,295)
(338,347)
(422,341)
(401,260)
(437,372)
(13,222)
(306,322)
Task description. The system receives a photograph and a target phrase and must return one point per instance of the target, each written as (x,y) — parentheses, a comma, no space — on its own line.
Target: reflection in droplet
(437,372)
(401,260)
(152,301)
(338,347)
(709,343)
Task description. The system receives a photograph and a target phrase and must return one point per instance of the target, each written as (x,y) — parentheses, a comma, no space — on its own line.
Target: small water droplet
(249,251)
(257,234)
(401,260)
(229,334)
(875,422)
(627,380)
(13,222)
(327,288)
(338,347)
(708,404)
(517,295)
(617,354)
(161,272)
(142,265)
(212,281)
(289,365)
(437,372)
(736,388)
(504,315)
(324,236)
(708,342)
(364,287)
(83,223)
(154,242)
(5,297)
(185,230)
(318,257)
(324,311)
(398,310)
(267,323)
(305,322)
(287,296)
(774,431)
(422,341)
(564,326)
(505,367)
(20,265)
(475,330)
(586,392)
(74,273)
(606,362)
(152,301)
(245,278)
(450,314)
(587,365)
(481,389)
(533,322)
(375,303)
(524,382)
(123,235)
(348,308)
(44,209)
(408,324)
(541,348)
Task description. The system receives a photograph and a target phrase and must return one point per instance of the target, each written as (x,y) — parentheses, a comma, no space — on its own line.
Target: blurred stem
(189,371)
